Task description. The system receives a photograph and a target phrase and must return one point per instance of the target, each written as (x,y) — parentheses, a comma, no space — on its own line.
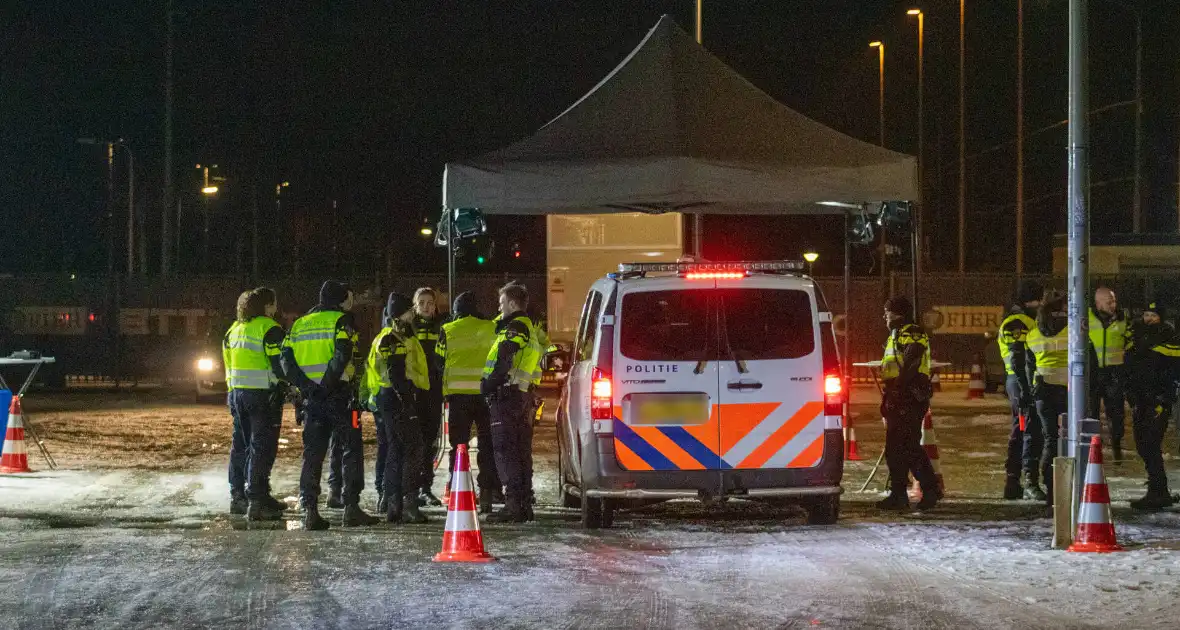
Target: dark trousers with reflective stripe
(467,410)
(1051,403)
(403,439)
(328,420)
(1024,447)
(903,449)
(336,459)
(512,439)
(1107,389)
(430,415)
(257,420)
(1149,426)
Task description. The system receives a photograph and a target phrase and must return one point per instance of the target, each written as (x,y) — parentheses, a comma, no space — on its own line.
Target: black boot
(382,504)
(513,512)
(260,511)
(485,502)
(1012,489)
(410,511)
(896,502)
(427,497)
(335,501)
(393,511)
(498,496)
(238,504)
(1117,448)
(930,498)
(1033,492)
(273,503)
(312,521)
(354,516)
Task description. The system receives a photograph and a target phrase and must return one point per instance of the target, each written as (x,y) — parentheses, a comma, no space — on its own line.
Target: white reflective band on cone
(461,522)
(1094,513)
(462,481)
(1094,475)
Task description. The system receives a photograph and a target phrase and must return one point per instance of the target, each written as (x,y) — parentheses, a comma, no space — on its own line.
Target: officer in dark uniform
(905,370)
(427,327)
(1024,442)
(318,358)
(253,373)
(1153,361)
(1047,352)
(1109,336)
(507,382)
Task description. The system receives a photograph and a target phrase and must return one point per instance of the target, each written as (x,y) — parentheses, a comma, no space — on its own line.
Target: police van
(702,381)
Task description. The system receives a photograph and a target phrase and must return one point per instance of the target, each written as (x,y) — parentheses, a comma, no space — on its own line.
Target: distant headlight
(205,365)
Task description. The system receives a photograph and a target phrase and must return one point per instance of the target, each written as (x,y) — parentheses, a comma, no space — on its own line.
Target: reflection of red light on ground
(92,317)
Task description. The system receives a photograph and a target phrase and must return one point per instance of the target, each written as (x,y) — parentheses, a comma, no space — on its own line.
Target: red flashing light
(516,254)
(92,317)
(834,395)
(715,275)
(832,385)
(601,396)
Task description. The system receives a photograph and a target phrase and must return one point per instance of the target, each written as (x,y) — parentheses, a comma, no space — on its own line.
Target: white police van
(702,380)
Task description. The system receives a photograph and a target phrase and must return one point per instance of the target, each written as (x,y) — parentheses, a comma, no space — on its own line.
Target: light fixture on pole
(880,46)
(810,256)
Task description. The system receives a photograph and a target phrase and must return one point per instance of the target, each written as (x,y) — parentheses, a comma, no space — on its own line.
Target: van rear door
(771,376)
(665,381)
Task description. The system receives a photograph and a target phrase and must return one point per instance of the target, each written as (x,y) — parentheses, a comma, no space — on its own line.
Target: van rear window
(666,326)
(763,324)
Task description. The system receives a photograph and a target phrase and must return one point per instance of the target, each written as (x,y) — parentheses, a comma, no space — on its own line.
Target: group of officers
(1134,361)
(486,371)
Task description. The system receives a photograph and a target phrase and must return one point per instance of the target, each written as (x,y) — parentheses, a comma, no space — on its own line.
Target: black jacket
(1153,362)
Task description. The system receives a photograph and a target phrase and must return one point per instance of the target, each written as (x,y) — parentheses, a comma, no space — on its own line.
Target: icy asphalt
(113,545)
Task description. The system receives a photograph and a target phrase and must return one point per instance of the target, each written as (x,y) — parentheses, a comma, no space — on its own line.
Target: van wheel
(570,500)
(597,513)
(823,511)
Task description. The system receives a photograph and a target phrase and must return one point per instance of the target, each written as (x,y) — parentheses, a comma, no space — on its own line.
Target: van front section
(717,387)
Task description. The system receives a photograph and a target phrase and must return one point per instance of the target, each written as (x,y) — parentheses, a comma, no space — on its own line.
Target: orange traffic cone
(15,458)
(930,445)
(1095,529)
(935,381)
(850,451)
(462,540)
(975,386)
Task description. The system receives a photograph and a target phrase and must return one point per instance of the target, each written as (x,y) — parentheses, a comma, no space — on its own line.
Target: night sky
(362,103)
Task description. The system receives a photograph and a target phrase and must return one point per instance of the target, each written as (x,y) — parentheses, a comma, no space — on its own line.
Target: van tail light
(601,399)
(834,395)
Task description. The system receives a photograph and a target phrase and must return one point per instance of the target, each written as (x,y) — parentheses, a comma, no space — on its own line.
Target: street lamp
(426,231)
(921,123)
(111,199)
(810,257)
(209,190)
(880,46)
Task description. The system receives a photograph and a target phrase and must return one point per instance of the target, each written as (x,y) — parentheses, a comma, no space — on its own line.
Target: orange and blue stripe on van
(741,436)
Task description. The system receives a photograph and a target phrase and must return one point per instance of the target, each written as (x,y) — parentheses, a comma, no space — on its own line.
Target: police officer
(1048,344)
(463,347)
(507,382)
(1108,342)
(905,369)
(1024,442)
(318,358)
(1155,353)
(397,367)
(427,326)
(253,375)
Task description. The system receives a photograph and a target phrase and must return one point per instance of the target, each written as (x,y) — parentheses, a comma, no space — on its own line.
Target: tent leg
(914,270)
(847,363)
(450,220)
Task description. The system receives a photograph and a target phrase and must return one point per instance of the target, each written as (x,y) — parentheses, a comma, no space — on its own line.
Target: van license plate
(670,409)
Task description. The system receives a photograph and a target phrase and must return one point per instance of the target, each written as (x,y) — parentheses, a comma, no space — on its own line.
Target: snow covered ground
(133,533)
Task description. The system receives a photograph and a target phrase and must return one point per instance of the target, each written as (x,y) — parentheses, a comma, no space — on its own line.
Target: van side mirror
(556,359)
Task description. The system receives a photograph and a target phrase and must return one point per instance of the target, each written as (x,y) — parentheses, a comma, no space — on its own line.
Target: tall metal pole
(450,221)
(1079,217)
(918,209)
(1137,202)
(881,91)
(169,190)
(1019,137)
(110,211)
(130,211)
(698,220)
(962,138)
(254,235)
(847,362)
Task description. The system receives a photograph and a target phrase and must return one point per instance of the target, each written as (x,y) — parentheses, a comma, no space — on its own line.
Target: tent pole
(847,362)
(450,255)
(914,270)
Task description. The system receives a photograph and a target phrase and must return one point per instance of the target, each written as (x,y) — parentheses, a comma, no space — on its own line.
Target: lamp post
(698,220)
(208,192)
(880,46)
(810,256)
(962,137)
(111,201)
(921,123)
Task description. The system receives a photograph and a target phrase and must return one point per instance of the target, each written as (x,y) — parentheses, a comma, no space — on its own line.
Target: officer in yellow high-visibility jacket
(318,358)
(1048,345)
(1109,336)
(463,347)
(427,326)
(507,382)
(905,370)
(1024,442)
(253,375)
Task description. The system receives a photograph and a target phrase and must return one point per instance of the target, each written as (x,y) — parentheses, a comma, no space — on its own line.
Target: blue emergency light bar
(771,266)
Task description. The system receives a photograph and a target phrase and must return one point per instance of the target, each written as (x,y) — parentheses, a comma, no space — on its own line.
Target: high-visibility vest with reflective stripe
(313,340)
(891,361)
(376,370)
(246,357)
(1052,355)
(1110,342)
(524,362)
(468,341)
(417,369)
(1008,337)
